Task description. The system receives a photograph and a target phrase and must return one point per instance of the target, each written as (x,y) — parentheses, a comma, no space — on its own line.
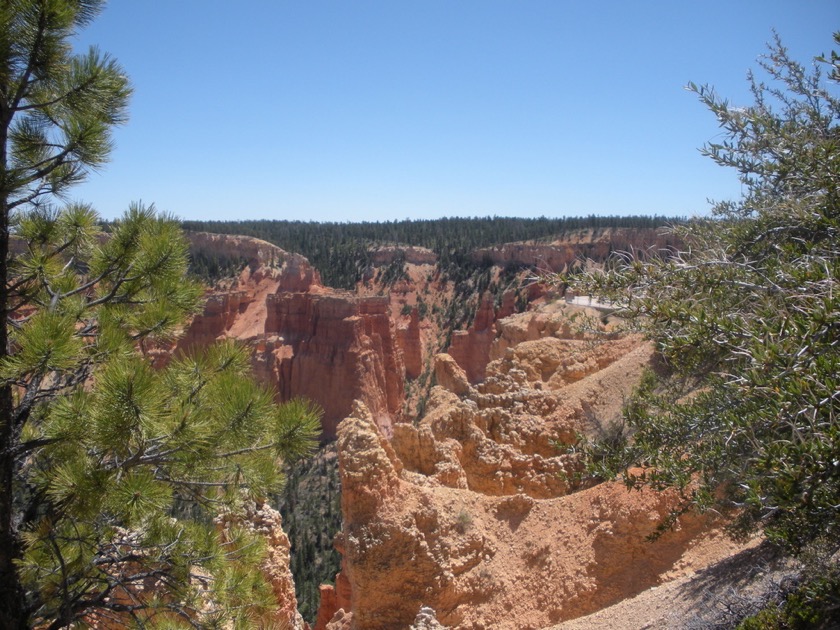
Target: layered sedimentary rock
(408,336)
(471,348)
(463,519)
(307,340)
(476,512)
(252,250)
(385,254)
(577,246)
(239,311)
(334,348)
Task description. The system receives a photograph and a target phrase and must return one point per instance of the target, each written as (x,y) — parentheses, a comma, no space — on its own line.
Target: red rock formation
(553,320)
(462,512)
(485,562)
(471,347)
(220,312)
(386,254)
(577,246)
(239,311)
(297,273)
(341,621)
(475,512)
(335,602)
(308,340)
(334,348)
(378,551)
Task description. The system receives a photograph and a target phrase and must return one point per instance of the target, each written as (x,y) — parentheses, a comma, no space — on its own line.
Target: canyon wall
(261,519)
(338,346)
(334,348)
(576,246)
(385,254)
(471,347)
(477,515)
(306,339)
(478,512)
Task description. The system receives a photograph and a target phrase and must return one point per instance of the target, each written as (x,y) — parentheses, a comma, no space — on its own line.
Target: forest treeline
(340,251)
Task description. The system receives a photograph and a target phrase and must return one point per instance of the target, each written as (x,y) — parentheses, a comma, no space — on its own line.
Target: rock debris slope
(475,511)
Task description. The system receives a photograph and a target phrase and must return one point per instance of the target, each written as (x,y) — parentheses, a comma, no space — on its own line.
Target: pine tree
(747,321)
(111,471)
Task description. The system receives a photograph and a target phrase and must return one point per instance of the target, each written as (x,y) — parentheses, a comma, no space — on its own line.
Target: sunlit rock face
(334,348)
(476,512)
(331,346)
(576,246)
(263,520)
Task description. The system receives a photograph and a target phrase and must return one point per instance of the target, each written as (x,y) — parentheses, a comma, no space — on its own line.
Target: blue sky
(381,110)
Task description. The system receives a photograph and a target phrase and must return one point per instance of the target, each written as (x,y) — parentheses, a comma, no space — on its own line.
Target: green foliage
(103,469)
(311,507)
(811,606)
(463,521)
(811,601)
(393,271)
(422,308)
(210,267)
(747,321)
(341,251)
(58,107)
(112,471)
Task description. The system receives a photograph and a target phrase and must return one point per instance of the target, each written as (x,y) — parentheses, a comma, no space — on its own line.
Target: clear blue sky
(352,110)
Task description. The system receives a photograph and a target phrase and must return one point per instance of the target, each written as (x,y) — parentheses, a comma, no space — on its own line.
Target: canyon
(464,502)
(307,340)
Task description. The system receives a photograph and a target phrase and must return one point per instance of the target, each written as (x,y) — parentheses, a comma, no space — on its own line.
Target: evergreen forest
(340,251)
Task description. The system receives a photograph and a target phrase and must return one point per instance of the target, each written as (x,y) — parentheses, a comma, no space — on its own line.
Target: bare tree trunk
(12,613)
(12,608)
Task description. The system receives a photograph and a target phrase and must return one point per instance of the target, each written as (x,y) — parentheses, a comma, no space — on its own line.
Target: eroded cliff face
(411,344)
(385,254)
(238,309)
(577,246)
(470,348)
(334,348)
(306,339)
(258,518)
(476,513)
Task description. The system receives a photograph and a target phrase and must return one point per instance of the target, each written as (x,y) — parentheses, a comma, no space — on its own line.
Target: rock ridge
(306,339)
(474,511)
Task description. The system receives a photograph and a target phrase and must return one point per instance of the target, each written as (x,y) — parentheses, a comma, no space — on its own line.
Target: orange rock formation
(408,336)
(477,513)
(472,518)
(307,340)
(576,246)
(334,348)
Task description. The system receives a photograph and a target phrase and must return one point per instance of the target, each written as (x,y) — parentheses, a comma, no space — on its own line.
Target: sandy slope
(716,596)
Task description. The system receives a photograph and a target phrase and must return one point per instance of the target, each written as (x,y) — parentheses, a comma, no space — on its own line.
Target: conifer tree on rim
(111,472)
(747,321)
